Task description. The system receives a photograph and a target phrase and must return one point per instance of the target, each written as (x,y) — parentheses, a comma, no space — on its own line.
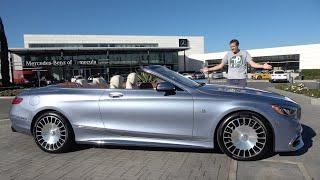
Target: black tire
(259,77)
(65,141)
(256,152)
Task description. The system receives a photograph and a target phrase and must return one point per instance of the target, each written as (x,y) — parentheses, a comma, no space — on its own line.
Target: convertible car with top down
(168,110)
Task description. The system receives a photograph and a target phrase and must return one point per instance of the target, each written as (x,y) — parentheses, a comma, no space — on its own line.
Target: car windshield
(175,76)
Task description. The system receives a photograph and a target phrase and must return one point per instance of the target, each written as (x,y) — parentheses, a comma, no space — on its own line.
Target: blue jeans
(237,82)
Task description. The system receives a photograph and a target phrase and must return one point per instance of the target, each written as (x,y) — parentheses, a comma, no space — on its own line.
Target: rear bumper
(20,124)
(279,80)
(20,118)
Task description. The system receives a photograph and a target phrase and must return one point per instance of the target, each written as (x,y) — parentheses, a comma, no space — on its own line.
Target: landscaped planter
(10,92)
(299,88)
(312,100)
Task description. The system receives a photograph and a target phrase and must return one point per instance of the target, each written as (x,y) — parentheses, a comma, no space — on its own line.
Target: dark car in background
(199,75)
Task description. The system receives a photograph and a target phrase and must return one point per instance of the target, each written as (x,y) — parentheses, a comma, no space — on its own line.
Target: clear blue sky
(256,23)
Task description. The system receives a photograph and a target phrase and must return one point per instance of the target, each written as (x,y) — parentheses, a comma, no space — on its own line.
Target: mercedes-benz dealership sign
(29,63)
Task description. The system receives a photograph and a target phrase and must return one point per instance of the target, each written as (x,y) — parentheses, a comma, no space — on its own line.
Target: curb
(7,97)
(313,101)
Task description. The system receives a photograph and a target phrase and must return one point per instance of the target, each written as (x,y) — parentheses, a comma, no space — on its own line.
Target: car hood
(234,90)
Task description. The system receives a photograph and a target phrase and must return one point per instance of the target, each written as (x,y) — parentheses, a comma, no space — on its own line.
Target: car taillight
(17,100)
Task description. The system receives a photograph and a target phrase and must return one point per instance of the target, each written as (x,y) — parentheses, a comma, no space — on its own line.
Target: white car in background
(187,75)
(279,76)
(216,75)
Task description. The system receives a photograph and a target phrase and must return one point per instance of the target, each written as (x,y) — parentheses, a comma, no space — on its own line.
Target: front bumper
(287,132)
(297,142)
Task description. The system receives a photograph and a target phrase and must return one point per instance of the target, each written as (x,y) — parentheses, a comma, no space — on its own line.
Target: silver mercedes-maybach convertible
(169,110)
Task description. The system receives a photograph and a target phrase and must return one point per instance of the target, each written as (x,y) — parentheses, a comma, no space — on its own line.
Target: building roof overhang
(92,49)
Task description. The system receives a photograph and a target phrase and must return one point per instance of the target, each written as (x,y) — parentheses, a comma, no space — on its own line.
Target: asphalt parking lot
(20,158)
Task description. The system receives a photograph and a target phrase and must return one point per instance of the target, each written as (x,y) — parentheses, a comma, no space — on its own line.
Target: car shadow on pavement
(307,135)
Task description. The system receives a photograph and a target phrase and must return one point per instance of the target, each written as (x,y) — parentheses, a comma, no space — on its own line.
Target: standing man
(237,60)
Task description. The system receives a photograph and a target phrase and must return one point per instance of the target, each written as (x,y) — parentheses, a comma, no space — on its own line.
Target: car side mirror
(165,87)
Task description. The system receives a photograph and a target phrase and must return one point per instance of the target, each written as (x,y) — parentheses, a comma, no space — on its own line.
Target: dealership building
(286,58)
(61,57)
(64,56)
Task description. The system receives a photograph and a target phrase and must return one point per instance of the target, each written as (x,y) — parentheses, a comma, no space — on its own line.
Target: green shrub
(311,73)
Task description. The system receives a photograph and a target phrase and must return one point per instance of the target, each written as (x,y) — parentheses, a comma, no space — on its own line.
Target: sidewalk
(309,156)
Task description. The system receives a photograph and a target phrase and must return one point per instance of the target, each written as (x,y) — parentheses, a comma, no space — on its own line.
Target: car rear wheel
(52,133)
(244,136)
(259,77)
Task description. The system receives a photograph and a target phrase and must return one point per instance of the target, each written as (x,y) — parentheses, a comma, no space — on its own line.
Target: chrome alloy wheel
(51,133)
(244,137)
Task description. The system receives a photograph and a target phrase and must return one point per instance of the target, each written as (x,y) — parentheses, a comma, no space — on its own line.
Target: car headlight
(287,111)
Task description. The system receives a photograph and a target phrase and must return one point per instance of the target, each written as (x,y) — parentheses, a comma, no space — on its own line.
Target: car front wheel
(53,133)
(244,136)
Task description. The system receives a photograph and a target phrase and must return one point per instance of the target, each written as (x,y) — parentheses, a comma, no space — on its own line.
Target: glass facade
(63,65)
(285,62)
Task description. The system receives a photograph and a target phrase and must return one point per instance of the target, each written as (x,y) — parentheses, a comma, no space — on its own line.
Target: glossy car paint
(189,117)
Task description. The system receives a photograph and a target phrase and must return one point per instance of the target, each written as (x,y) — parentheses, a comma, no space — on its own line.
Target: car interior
(132,81)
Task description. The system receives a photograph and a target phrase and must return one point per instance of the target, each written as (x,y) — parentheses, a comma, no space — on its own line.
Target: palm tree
(146,78)
(4,56)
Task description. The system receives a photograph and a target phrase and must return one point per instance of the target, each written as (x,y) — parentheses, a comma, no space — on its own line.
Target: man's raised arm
(260,66)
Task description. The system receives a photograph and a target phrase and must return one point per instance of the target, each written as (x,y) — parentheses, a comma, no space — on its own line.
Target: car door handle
(115,94)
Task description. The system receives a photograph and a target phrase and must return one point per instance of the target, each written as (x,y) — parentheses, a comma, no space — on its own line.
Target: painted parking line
(4,116)
(4,120)
(299,164)
(7,97)
(233,170)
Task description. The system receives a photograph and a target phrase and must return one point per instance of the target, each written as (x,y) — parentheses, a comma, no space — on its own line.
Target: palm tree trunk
(5,73)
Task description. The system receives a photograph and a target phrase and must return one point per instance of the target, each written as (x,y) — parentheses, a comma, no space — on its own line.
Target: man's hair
(234,41)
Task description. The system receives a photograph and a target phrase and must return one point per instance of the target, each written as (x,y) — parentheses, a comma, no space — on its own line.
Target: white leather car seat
(116,82)
(99,80)
(132,80)
(73,80)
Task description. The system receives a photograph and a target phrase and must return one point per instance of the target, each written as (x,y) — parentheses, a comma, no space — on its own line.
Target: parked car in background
(216,75)
(261,75)
(245,123)
(187,75)
(279,76)
(199,75)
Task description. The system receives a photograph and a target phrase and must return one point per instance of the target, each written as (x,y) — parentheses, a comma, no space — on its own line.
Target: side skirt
(102,136)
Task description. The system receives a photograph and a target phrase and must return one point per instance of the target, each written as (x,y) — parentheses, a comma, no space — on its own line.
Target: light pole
(184,60)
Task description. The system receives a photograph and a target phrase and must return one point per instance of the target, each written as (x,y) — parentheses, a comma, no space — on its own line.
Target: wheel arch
(215,134)
(38,114)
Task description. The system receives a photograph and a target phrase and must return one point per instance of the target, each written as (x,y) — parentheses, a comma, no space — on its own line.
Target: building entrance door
(75,72)
(85,73)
